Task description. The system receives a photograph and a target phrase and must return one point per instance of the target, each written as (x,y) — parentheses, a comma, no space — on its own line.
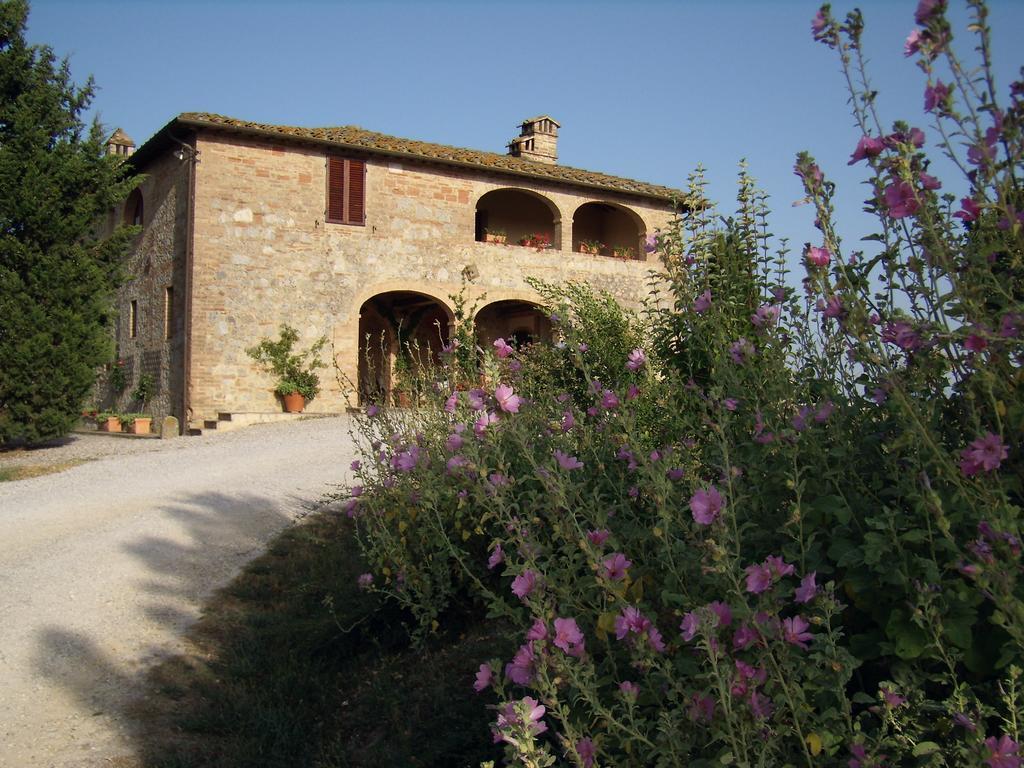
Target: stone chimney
(537,140)
(120,143)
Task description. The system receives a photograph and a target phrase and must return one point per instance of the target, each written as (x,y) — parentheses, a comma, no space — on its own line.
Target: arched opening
(519,323)
(133,209)
(401,334)
(517,217)
(608,230)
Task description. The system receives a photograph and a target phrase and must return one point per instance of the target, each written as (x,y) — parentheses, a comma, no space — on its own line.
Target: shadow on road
(212,537)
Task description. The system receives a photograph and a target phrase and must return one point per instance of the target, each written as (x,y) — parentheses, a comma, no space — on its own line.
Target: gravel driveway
(104,565)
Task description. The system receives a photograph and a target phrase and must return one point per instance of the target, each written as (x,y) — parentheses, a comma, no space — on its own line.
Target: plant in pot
(108,421)
(297,380)
(139,423)
(625,252)
(591,246)
(495,236)
(136,423)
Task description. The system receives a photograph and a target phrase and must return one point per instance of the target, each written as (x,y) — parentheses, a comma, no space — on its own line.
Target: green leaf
(926,748)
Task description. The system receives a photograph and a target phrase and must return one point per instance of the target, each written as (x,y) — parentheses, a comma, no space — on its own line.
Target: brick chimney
(120,143)
(537,140)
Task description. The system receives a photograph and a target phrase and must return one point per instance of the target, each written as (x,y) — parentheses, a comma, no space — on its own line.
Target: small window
(346,186)
(133,209)
(168,312)
(133,319)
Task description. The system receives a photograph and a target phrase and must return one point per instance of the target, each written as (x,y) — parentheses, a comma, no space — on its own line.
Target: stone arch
(518,214)
(133,208)
(519,321)
(401,333)
(620,230)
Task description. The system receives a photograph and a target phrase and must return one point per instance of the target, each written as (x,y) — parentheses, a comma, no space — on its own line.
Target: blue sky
(642,89)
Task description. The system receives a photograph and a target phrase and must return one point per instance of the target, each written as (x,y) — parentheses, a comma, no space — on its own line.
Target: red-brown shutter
(356,188)
(336,189)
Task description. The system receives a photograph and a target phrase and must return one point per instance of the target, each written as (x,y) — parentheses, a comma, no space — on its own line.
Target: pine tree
(57,276)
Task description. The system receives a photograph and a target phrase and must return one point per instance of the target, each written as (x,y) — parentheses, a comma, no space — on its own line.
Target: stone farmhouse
(349,234)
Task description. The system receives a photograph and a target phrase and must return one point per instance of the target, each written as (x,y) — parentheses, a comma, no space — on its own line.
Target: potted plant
(591,246)
(297,380)
(108,421)
(136,423)
(495,236)
(623,252)
(538,240)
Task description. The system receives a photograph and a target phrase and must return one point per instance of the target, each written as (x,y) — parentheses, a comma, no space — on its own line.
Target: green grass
(10,474)
(276,681)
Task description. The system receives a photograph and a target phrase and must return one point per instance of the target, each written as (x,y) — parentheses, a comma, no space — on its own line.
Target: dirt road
(104,565)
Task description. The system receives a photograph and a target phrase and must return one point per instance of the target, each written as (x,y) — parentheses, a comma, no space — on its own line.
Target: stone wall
(264,256)
(155,263)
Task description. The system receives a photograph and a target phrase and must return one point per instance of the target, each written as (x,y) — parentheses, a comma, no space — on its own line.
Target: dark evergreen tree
(57,276)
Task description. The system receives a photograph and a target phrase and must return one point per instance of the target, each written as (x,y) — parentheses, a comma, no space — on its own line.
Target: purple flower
(497,557)
(975,342)
(766,316)
(521,669)
(1010,325)
(483,421)
(651,244)
(451,403)
(705,505)
(936,96)
(609,400)
(722,611)
(901,200)
(778,566)
(866,147)
(832,308)
(964,722)
(568,422)
(567,462)
(568,637)
(586,752)
(524,584)
(760,705)
(819,257)
(598,537)
(365,580)
(654,640)
(701,709)
(759,578)
(1002,753)
(984,454)
(902,334)
(629,689)
(631,621)
(497,479)
(507,400)
(892,699)
(455,463)
(926,9)
(689,625)
(538,631)
(818,25)
(741,350)
(744,637)
(807,590)
(929,182)
(703,303)
(484,677)
(635,360)
(794,631)
(615,566)
(502,349)
(969,210)
(454,443)
(731,403)
(372,410)
(476,399)
(675,474)
(913,42)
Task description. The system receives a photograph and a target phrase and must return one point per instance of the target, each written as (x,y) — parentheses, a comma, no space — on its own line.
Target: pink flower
(609,400)
(507,400)
(372,410)
(701,709)
(866,147)
(598,537)
(794,631)
(586,752)
(567,462)
(722,611)
(451,403)
(524,584)
(759,578)
(476,399)
(615,566)
(929,182)
(654,640)
(741,350)
(484,677)
(689,625)
(502,349)
(760,705)
(975,342)
(730,403)
(484,421)
(454,443)
(926,9)
(892,699)
(984,454)
(936,96)
(818,25)
(969,210)
(901,200)
(1002,753)
(744,637)
(629,689)
(631,621)
(497,557)
(703,303)
(902,334)
(635,360)
(365,580)
(522,669)
(705,505)
(538,631)
(568,422)
(807,590)
(651,244)
(568,637)
(778,566)
(913,43)
(819,257)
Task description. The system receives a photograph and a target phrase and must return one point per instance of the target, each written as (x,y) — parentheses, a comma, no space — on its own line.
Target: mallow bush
(756,524)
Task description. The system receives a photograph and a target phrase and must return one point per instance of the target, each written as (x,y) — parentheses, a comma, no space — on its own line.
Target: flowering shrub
(786,531)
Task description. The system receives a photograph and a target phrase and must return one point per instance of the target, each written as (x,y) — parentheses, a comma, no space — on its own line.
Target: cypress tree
(58,274)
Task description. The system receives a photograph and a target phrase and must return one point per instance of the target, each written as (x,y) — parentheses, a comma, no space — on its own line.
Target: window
(133,319)
(168,312)
(133,209)
(346,184)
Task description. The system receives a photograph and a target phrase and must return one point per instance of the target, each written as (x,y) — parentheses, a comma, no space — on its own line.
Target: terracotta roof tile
(359,138)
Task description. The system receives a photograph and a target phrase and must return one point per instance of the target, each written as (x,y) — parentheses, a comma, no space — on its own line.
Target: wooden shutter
(356,187)
(336,189)
(346,189)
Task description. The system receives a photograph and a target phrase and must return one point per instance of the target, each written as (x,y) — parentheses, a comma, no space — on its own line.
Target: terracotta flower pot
(111,424)
(489,238)
(140,426)
(294,402)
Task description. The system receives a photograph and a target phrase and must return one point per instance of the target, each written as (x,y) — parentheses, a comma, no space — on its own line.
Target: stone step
(227,421)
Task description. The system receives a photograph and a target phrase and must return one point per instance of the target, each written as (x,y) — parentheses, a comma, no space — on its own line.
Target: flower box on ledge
(495,237)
